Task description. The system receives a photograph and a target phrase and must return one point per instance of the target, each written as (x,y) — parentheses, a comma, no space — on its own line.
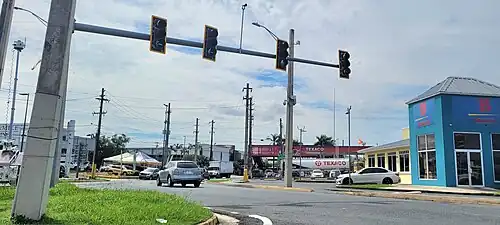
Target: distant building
(226,152)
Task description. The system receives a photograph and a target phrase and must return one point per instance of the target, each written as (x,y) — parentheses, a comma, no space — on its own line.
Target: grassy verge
(219,180)
(69,204)
(367,186)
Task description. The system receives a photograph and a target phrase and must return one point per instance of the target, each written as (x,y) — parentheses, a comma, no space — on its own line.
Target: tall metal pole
(164,135)
(334,118)
(282,169)
(242,19)
(196,141)
(5,23)
(212,140)
(301,130)
(289,116)
(349,139)
(167,136)
(250,131)
(18,46)
(32,191)
(24,123)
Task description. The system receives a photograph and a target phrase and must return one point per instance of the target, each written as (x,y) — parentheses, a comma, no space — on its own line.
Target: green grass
(219,180)
(367,186)
(69,204)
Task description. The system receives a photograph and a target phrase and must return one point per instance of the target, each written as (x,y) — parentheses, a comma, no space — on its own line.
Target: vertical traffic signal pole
(290,102)
(32,191)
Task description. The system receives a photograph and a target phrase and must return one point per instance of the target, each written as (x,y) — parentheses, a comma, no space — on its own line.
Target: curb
(212,221)
(417,196)
(316,181)
(244,185)
(422,191)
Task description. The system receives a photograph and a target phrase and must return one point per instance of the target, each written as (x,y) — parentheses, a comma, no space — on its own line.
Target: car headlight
(176,172)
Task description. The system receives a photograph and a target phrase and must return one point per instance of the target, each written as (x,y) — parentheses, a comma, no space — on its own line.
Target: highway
(321,207)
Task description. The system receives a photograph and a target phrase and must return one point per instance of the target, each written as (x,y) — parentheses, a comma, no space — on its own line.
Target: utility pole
(32,191)
(196,131)
(290,102)
(5,23)
(18,46)
(247,90)
(349,139)
(166,134)
(212,140)
(99,124)
(80,147)
(184,146)
(301,130)
(282,168)
(250,136)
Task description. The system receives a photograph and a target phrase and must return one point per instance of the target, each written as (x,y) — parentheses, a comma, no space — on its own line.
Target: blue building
(455,134)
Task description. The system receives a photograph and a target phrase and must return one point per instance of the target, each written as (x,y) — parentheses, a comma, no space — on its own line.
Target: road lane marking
(265,220)
(236,213)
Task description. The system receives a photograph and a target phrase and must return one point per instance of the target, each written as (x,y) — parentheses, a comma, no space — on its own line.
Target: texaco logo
(318,163)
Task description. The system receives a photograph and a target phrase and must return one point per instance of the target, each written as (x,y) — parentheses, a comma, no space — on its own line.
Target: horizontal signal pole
(176,41)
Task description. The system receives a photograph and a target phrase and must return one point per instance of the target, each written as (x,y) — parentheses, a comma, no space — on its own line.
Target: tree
(296,142)
(275,139)
(324,140)
(110,146)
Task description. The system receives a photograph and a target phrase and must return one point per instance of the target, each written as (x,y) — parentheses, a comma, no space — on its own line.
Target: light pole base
(92,175)
(245,175)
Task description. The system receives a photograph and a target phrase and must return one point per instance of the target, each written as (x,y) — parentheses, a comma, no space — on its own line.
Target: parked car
(180,172)
(122,170)
(317,174)
(334,174)
(370,175)
(149,173)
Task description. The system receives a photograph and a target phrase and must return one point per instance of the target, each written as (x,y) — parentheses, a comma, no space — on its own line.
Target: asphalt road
(322,208)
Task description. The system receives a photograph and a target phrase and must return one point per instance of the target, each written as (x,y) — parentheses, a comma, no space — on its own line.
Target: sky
(398,50)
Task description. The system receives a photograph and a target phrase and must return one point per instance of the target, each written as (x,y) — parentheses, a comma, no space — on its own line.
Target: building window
(467,141)
(404,161)
(381,160)
(495,139)
(64,138)
(371,160)
(391,159)
(63,151)
(426,156)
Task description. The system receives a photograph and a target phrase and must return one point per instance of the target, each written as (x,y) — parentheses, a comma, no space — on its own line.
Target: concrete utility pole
(301,130)
(290,102)
(196,131)
(349,138)
(250,136)
(32,191)
(166,134)
(18,46)
(5,23)
(212,140)
(247,90)
(281,148)
(99,124)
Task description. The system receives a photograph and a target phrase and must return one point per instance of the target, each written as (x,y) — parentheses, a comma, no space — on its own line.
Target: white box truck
(220,169)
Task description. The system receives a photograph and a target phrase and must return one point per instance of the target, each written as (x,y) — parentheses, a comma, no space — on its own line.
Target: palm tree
(295,142)
(275,139)
(324,140)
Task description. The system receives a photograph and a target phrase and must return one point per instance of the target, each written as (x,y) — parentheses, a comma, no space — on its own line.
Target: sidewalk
(428,189)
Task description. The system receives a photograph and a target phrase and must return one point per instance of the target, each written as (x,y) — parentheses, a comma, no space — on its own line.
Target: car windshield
(149,170)
(316,171)
(213,168)
(186,165)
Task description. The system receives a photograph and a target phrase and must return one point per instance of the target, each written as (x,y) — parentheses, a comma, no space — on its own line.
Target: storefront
(455,134)
(393,156)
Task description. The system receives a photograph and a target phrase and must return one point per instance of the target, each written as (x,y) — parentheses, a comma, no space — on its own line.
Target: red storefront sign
(306,150)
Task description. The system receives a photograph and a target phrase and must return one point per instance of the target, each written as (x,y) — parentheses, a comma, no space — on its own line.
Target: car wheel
(347,181)
(197,184)
(387,180)
(169,182)
(158,182)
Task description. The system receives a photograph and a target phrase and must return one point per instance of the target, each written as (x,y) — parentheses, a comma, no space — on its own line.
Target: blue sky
(398,50)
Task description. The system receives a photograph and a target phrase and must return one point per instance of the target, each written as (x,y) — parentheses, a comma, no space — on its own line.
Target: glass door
(476,168)
(469,168)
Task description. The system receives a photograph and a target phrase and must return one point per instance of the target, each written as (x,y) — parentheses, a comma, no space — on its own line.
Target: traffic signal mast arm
(175,41)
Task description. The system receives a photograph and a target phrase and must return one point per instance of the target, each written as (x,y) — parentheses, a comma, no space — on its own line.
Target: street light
(25,115)
(265,28)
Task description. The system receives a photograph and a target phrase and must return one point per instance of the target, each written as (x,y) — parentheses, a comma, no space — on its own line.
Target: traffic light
(158,35)
(281,55)
(210,43)
(344,64)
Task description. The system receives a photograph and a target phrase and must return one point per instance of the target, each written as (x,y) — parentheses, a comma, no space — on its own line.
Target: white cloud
(398,49)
